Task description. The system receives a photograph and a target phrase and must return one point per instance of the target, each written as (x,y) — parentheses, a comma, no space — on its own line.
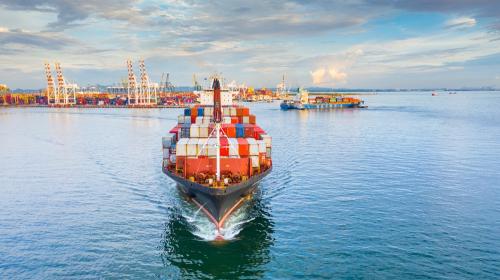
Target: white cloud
(461,22)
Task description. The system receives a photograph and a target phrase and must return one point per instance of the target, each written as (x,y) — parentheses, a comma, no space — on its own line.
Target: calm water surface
(406,189)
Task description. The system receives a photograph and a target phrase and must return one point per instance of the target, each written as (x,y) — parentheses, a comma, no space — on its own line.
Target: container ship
(303,102)
(217,154)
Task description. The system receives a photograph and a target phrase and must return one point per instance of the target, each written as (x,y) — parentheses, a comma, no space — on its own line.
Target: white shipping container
(173,158)
(194,131)
(226,120)
(253,147)
(204,131)
(208,111)
(199,120)
(255,161)
(233,147)
(181,147)
(267,139)
(192,147)
(262,146)
(233,111)
(212,149)
(226,111)
(203,146)
(206,120)
(246,119)
(180,119)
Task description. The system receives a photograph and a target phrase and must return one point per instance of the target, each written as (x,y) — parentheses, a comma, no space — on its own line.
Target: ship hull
(285,106)
(217,203)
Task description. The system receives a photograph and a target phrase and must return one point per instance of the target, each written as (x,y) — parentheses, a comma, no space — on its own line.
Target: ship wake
(204,229)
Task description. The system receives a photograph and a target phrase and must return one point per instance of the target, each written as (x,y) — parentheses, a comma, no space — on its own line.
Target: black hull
(219,203)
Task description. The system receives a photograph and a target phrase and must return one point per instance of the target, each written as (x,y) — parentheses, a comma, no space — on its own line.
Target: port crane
(144,94)
(64,93)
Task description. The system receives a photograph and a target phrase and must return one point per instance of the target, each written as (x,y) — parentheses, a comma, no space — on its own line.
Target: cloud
(69,12)
(331,70)
(461,22)
(21,37)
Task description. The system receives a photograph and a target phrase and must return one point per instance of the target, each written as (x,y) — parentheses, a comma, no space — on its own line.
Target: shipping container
(267,139)
(208,111)
(262,146)
(181,147)
(187,112)
(233,147)
(248,130)
(204,131)
(212,149)
(200,111)
(243,148)
(253,147)
(192,147)
(240,130)
(233,111)
(255,161)
(203,147)
(224,147)
(194,131)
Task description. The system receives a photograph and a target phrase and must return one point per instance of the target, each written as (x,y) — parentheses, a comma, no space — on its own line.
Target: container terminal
(143,93)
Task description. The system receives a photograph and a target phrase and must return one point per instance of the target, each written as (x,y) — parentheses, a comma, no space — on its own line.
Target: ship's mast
(217,119)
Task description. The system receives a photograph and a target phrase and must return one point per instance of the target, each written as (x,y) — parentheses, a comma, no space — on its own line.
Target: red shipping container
(224,147)
(256,135)
(193,119)
(231,131)
(252,119)
(234,120)
(239,112)
(243,148)
(245,111)
(249,130)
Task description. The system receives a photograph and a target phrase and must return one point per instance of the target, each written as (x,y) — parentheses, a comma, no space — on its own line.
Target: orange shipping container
(234,120)
(208,166)
(245,111)
(239,112)
(243,147)
(252,119)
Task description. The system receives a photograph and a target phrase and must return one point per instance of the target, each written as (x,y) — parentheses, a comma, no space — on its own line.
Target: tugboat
(217,154)
(303,102)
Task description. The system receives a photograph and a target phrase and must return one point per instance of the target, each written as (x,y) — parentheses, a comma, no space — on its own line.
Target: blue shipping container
(200,111)
(187,112)
(240,130)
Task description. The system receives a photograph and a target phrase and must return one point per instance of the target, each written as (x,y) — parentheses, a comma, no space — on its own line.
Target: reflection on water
(244,256)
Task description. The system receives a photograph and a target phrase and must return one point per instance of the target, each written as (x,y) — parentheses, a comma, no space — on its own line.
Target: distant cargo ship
(217,154)
(303,102)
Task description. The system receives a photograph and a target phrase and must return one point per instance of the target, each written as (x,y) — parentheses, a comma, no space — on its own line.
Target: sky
(323,43)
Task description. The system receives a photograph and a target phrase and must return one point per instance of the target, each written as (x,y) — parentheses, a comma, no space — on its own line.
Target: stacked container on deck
(191,145)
